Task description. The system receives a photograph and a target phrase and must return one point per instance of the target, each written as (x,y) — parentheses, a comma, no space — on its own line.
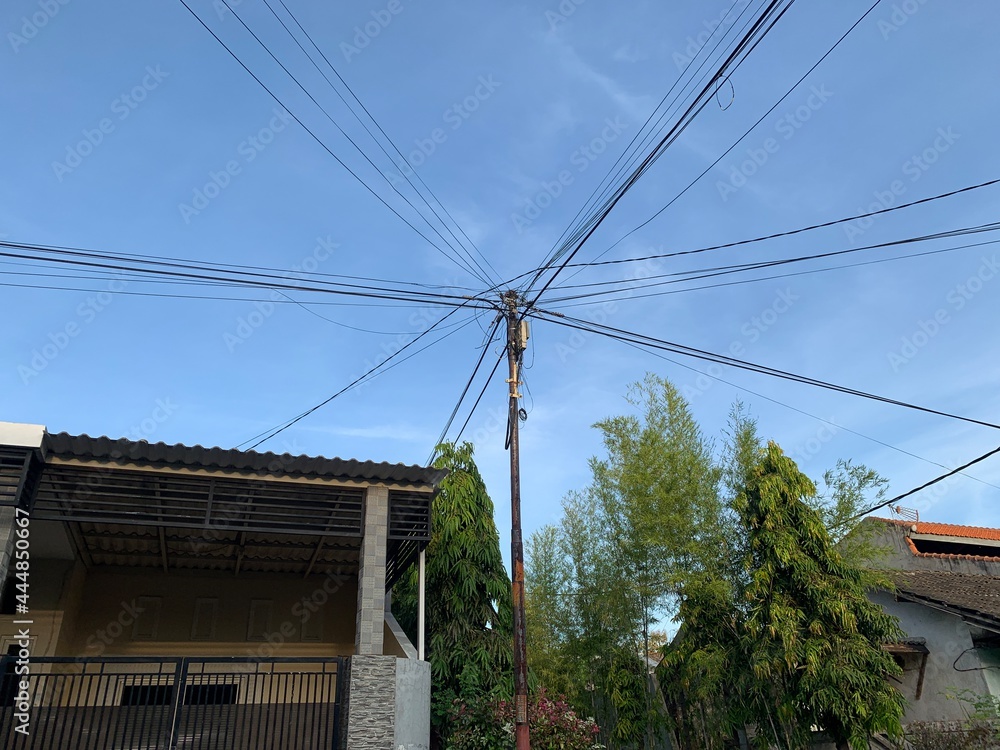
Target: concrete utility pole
(516,341)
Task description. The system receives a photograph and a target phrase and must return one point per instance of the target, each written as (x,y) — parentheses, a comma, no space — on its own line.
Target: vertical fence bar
(109,704)
(122,709)
(180,678)
(315,727)
(337,696)
(70,711)
(266,706)
(86,707)
(42,697)
(285,708)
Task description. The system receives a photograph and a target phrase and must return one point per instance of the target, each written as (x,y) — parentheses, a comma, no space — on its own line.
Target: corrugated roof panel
(196,456)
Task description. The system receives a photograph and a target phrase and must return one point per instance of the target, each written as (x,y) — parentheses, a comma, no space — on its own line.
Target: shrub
(971,735)
(489,725)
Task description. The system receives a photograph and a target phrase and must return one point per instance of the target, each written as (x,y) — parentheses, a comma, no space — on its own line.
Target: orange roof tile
(948,529)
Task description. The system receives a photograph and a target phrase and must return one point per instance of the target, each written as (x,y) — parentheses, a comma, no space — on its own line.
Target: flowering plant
(490,724)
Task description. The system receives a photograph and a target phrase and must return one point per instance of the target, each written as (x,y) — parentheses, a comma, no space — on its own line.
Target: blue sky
(120,114)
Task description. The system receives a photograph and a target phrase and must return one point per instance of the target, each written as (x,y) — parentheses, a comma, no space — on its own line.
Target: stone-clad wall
(386,704)
(371,703)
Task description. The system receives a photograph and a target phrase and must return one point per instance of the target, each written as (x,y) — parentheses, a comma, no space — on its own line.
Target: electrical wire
(350,140)
(925,485)
(745,134)
(315,137)
(780,275)
(626,158)
(746,45)
(241,278)
(654,343)
(266,435)
(790,232)
(836,426)
(705,273)
(489,379)
(391,143)
(216,298)
(465,391)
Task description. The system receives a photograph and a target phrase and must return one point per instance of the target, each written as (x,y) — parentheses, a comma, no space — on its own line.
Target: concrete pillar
(371,573)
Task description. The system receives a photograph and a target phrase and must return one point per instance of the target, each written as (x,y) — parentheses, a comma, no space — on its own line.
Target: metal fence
(156,703)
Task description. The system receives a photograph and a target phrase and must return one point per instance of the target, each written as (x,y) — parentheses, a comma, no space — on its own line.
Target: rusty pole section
(515,349)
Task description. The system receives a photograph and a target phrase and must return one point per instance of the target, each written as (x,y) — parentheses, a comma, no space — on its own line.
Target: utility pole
(516,340)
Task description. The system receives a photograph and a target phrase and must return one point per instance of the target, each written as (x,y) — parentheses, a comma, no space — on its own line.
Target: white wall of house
(949,641)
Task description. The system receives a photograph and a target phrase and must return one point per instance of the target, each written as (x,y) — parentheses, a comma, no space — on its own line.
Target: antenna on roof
(905,514)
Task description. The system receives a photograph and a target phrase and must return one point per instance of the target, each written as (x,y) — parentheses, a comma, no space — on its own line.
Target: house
(948,604)
(174,596)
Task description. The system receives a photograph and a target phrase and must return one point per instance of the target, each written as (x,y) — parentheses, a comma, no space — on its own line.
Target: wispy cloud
(627,53)
(636,108)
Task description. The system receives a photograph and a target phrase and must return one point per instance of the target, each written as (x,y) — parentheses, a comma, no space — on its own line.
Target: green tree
(811,628)
(547,580)
(647,520)
(469,624)
(795,642)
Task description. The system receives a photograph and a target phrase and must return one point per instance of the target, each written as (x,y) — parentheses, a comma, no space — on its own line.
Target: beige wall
(112,601)
(77,612)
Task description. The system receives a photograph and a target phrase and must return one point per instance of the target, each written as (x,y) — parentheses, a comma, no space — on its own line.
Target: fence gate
(155,703)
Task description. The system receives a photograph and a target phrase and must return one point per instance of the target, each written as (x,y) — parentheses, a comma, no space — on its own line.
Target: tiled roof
(196,456)
(971,533)
(949,555)
(968,592)
(947,529)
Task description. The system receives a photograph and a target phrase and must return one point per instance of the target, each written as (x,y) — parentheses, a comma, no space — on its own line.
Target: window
(203,626)
(147,619)
(259,624)
(211,695)
(147,695)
